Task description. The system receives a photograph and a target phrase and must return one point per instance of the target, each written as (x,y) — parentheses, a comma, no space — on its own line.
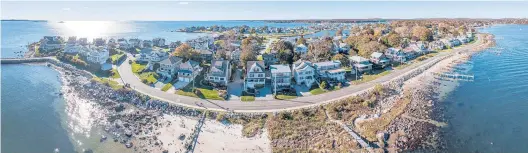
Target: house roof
(280,68)
(358,59)
(219,68)
(171,60)
(300,65)
(251,64)
(327,63)
(190,64)
(376,54)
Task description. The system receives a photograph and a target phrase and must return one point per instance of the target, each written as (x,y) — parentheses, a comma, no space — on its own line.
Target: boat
(56,150)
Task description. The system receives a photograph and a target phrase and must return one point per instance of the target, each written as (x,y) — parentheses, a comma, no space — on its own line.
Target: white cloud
(183,3)
(66,9)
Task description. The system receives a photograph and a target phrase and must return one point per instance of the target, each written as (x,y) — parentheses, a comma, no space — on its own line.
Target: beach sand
(217,137)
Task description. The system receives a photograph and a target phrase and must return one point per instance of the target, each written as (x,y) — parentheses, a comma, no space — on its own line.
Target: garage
(183,79)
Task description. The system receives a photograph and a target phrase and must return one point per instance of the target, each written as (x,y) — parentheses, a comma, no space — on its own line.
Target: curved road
(127,76)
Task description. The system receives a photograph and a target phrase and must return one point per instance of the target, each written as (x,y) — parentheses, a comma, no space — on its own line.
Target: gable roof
(171,60)
(376,54)
(251,64)
(280,68)
(219,68)
(300,65)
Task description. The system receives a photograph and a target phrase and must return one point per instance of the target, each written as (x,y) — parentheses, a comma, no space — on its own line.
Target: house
(112,42)
(188,70)
(174,45)
(123,44)
(379,59)
(72,40)
(410,53)
(360,64)
(150,55)
(301,49)
(72,48)
(343,47)
(134,42)
(281,76)
(395,55)
(234,55)
(220,72)
(463,39)
(169,66)
(436,45)
(83,41)
(98,54)
(330,71)
(50,43)
(147,43)
(99,42)
(255,75)
(206,55)
(303,73)
(158,42)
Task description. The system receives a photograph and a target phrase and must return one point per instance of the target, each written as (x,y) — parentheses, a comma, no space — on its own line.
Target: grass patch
(285,97)
(115,74)
(370,128)
(138,68)
(167,86)
(317,91)
(247,98)
(370,77)
(115,58)
(111,83)
(149,77)
(203,93)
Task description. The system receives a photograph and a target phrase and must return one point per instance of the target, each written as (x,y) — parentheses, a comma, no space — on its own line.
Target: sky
(264,10)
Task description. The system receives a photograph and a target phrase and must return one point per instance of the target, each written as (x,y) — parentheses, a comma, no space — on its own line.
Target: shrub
(323,85)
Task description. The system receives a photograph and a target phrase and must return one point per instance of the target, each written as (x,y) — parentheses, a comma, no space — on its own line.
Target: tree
(394,40)
(355,30)
(301,40)
(365,50)
(221,54)
(342,58)
(185,51)
(422,33)
(285,56)
(404,31)
(283,45)
(246,56)
(320,51)
(323,85)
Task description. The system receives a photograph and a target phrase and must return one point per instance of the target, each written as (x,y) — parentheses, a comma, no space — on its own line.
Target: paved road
(269,105)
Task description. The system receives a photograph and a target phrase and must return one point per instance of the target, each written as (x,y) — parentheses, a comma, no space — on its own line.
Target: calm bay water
(489,114)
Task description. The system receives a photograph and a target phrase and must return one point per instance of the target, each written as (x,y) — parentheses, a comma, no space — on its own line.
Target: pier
(454,76)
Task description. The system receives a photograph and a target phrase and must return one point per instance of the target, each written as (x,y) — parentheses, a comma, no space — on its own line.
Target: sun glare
(89,29)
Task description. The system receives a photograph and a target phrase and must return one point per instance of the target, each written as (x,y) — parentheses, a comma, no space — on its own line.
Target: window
(260,75)
(221,79)
(251,75)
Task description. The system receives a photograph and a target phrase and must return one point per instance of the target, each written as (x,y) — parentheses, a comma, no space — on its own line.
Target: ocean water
(31,110)
(490,114)
(16,35)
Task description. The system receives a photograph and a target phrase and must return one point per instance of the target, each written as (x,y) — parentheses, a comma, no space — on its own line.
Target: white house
(98,55)
(50,43)
(219,72)
(360,64)
(188,70)
(395,55)
(255,74)
(379,59)
(123,44)
(158,42)
(169,66)
(150,55)
(134,42)
(330,70)
(280,77)
(303,73)
(72,48)
(147,43)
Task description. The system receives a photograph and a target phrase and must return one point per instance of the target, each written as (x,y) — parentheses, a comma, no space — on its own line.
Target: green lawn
(137,68)
(370,77)
(116,74)
(149,77)
(205,94)
(167,86)
(247,98)
(317,91)
(108,82)
(116,57)
(285,97)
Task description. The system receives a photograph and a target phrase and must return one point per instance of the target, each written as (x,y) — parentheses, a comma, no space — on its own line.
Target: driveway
(236,87)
